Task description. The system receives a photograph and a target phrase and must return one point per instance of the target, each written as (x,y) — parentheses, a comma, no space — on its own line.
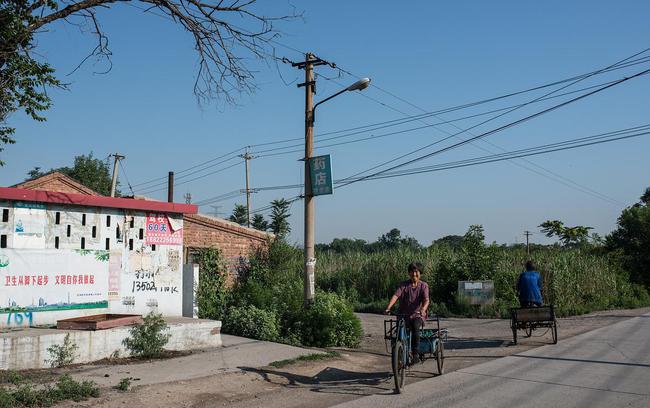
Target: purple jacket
(412,298)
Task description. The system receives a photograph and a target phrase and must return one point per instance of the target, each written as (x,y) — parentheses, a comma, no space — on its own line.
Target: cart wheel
(528,329)
(399,366)
(440,356)
(554,332)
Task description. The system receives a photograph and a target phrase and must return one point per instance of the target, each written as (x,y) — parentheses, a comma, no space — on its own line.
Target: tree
(393,239)
(569,236)
(280,217)
(88,170)
(223,48)
(239,215)
(344,245)
(259,223)
(632,240)
(452,241)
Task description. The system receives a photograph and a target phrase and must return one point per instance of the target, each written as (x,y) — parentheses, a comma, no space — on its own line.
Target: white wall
(135,277)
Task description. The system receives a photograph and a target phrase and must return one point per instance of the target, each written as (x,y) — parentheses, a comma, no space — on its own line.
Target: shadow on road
(462,344)
(330,380)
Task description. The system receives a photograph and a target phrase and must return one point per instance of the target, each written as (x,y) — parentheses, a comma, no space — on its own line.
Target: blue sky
(431,55)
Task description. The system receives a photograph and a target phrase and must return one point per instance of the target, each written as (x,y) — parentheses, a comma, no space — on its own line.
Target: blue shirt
(529,287)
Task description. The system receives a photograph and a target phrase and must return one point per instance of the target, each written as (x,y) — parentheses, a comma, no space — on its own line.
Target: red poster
(160,231)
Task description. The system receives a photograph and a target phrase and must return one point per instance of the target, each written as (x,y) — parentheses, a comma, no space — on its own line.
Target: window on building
(83,219)
(131,245)
(83,243)
(108,244)
(153,247)
(3,241)
(141,233)
(132,222)
(56,242)
(5,215)
(94,233)
(108,220)
(68,230)
(118,234)
(57,218)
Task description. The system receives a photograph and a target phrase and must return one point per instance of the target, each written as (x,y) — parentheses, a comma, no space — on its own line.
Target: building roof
(56,179)
(55,197)
(227,226)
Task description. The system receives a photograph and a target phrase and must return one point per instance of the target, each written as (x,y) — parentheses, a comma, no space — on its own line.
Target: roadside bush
(329,322)
(249,321)
(148,340)
(62,354)
(211,293)
(66,388)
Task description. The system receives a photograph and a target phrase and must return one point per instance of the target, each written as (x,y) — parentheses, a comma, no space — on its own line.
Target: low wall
(27,349)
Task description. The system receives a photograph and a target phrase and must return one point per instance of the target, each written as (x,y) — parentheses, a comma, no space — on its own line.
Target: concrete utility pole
(170,187)
(117,157)
(527,234)
(247,157)
(310,258)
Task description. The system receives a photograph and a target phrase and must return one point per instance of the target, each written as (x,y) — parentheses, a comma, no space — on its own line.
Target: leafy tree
(344,245)
(280,217)
(569,236)
(393,239)
(259,223)
(223,48)
(452,241)
(88,170)
(631,239)
(239,214)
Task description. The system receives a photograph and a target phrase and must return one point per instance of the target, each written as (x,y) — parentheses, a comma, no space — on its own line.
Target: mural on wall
(163,230)
(37,280)
(29,225)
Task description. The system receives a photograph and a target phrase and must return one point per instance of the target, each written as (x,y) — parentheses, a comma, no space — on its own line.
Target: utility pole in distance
(527,234)
(117,157)
(170,187)
(247,157)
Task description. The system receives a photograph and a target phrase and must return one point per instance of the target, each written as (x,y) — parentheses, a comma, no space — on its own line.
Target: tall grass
(575,281)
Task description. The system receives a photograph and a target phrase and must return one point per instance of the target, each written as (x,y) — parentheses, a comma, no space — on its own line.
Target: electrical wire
(493,131)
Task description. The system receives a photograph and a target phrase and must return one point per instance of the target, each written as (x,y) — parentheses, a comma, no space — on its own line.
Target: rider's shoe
(415,358)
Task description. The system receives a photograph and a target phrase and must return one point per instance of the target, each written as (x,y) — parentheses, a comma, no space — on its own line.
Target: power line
(126,177)
(196,178)
(493,131)
(543,149)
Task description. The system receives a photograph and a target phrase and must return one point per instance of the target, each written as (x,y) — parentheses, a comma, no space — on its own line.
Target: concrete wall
(132,275)
(27,349)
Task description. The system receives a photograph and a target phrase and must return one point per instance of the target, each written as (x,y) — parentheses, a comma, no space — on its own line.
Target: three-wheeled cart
(530,318)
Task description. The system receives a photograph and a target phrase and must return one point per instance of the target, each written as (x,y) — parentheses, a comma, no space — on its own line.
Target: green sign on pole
(320,171)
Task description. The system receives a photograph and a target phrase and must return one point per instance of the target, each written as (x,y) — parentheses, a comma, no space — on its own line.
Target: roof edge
(42,196)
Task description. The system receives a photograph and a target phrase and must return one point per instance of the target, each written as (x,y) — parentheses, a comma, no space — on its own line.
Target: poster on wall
(30,220)
(161,230)
(53,279)
(114,274)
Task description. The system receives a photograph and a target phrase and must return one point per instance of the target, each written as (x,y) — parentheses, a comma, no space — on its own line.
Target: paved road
(607,367)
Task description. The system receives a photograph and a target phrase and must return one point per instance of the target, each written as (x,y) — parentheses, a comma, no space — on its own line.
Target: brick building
(201,231)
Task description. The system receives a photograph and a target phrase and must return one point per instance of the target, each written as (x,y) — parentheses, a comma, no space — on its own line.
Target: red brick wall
(232,240)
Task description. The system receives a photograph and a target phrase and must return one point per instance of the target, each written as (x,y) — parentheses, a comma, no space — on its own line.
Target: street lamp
(310,111)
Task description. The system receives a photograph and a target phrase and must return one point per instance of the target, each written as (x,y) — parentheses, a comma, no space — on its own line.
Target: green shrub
(249,321)
(329,322)
(211,293)
(148,340)
(62,354)
(65,389)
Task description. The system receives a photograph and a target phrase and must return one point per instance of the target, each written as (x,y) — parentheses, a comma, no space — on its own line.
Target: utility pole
(118,157)
(247,157)
(216,211)
(188,198)
(310,89)
(527,234)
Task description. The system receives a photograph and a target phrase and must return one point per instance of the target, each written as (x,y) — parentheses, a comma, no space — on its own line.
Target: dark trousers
(526,303)
(415,325)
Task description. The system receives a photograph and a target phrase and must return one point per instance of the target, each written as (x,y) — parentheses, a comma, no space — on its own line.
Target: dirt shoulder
(355,373)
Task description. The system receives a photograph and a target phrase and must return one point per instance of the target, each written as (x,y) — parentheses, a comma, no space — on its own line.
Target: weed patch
(308,357)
